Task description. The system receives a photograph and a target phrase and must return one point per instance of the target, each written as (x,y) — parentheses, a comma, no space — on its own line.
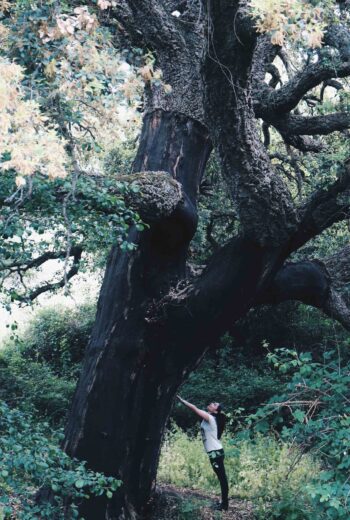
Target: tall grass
(260,469)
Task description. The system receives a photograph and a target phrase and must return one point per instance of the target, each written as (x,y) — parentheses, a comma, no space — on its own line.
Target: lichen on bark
(157,196)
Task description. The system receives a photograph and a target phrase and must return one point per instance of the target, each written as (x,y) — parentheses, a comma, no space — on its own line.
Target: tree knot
(155,195)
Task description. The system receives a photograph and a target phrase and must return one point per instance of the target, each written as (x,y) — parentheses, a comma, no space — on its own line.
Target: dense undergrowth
(262,469)
(287,440)
(31,460)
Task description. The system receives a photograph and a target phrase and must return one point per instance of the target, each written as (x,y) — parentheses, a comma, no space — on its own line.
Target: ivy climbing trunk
(128,378)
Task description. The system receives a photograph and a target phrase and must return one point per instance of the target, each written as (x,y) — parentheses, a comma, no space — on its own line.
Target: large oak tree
(155,319)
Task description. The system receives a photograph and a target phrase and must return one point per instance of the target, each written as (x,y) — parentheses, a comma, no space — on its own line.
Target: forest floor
(175,503)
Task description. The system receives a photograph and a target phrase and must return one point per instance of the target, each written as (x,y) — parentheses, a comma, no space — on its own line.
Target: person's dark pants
(216,458)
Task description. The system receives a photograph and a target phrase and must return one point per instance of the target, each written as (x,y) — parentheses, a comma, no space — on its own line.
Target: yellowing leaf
(50,69)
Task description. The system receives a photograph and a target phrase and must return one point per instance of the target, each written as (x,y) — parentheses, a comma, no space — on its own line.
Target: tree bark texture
(152,328)
(127,384)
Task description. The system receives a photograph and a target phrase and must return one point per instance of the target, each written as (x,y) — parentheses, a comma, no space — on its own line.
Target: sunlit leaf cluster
(25,133)
(294,20)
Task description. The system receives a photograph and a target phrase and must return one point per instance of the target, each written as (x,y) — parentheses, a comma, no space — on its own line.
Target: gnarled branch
(40,260)
(48,287)
(269,101)
(286,98)
(318,283)
(323,209)
(317,125)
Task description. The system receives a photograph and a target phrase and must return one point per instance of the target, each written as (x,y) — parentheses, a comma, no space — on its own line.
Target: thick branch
(302,143)
(264,54)
(149,24)
(324,208)
(286,98)
(316,283)
(318,125)
(265,206)
(338,37)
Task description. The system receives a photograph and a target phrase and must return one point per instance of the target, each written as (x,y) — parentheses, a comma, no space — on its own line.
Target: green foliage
(95,212)
(74,74)
(314,411)
(239,375)
(31,459)
(58,337)
(39,368)
(119,159)
(33,386)
(262,469)
(230,378)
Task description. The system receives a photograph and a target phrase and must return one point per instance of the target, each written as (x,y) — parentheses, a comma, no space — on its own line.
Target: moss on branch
(157,197)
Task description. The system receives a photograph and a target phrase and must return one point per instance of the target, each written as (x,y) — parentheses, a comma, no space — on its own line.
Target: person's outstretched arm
(204,415)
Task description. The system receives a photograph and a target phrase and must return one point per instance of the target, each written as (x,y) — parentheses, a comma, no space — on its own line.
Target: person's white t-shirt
(209,431)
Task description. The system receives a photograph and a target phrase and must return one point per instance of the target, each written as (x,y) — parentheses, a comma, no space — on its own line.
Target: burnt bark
(127,384)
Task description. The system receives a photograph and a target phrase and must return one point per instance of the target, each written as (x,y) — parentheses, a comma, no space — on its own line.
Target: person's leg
(219,468)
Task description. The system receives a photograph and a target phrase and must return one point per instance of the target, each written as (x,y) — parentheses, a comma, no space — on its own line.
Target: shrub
(314,411)
(58,337)
(33,386)
(30,458)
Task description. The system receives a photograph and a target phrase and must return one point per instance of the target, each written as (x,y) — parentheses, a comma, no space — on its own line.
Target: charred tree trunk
(149,332)
(128,383)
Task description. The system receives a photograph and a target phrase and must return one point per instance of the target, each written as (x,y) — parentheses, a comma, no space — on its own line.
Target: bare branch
(55,285)
(40,260)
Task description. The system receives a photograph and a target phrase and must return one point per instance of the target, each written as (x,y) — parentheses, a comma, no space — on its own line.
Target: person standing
(212,426)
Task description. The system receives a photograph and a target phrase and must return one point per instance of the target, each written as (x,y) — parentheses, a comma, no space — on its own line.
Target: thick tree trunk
(150,331)
(128,382)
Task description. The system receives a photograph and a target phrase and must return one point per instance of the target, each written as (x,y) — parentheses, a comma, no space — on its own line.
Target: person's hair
(220,418)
